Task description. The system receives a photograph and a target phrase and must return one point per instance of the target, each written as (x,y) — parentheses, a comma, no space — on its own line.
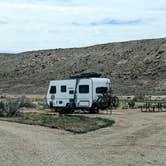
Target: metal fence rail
(154,106)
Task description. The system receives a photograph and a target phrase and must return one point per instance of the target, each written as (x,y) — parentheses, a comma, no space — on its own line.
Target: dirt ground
(136,139)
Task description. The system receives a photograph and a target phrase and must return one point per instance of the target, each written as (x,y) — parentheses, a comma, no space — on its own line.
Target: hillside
(135,67)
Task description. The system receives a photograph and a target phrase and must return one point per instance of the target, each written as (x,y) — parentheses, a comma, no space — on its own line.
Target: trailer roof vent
(86,75)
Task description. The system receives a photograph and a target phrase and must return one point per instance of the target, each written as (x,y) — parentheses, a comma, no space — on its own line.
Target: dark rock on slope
(135,67)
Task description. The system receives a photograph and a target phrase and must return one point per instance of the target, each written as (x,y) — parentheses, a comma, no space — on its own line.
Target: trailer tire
(61,110)
(66,110)
(94,109)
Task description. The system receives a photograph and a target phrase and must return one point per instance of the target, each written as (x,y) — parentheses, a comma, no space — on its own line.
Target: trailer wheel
(66,110)
(94,109)
(69,111)
(61,110)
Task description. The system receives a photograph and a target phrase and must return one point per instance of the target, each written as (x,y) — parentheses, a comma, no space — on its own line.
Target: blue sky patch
(116,22)
(110,22)
(49,24)
(3,22)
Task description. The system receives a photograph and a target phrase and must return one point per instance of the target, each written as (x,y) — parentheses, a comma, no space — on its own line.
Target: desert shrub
(131,104)
(10,107)
(139,98)
(25,102)
(124,105)
(43,104)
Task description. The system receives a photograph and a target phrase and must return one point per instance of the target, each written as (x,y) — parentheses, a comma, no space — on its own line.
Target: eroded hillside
(135,67)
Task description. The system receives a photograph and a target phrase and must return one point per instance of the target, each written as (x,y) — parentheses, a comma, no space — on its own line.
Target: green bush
(139,98)
(131,104)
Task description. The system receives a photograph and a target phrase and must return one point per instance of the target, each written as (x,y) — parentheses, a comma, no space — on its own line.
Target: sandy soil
(136,139)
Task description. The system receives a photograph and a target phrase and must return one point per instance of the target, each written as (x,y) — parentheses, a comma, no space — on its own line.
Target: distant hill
(135,67)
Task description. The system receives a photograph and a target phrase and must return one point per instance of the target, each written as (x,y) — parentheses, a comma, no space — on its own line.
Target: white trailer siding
(60,99)
(81,91)
(84,93)
(100,83)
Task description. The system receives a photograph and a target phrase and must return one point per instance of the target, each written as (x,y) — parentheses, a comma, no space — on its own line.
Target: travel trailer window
(84,89)
(63,88)
(71,92)
(53,90)
(101,90)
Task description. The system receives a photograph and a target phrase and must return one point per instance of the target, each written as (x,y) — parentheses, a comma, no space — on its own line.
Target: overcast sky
(44,24)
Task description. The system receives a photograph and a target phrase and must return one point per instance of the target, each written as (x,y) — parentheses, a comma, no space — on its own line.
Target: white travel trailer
(80,92)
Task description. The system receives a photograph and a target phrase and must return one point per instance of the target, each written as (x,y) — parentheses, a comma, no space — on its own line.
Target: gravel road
(136,139)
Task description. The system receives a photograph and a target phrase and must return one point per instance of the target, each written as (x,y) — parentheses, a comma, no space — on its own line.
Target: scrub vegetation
(73,123)
(34,112)
(9,107)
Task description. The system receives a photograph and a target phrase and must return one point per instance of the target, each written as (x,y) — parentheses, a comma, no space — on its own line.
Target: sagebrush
(10,107)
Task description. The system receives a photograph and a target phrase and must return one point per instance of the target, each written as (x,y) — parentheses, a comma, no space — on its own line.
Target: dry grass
(72,123)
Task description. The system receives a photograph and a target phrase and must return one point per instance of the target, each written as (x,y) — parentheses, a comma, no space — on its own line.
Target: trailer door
(84,93)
